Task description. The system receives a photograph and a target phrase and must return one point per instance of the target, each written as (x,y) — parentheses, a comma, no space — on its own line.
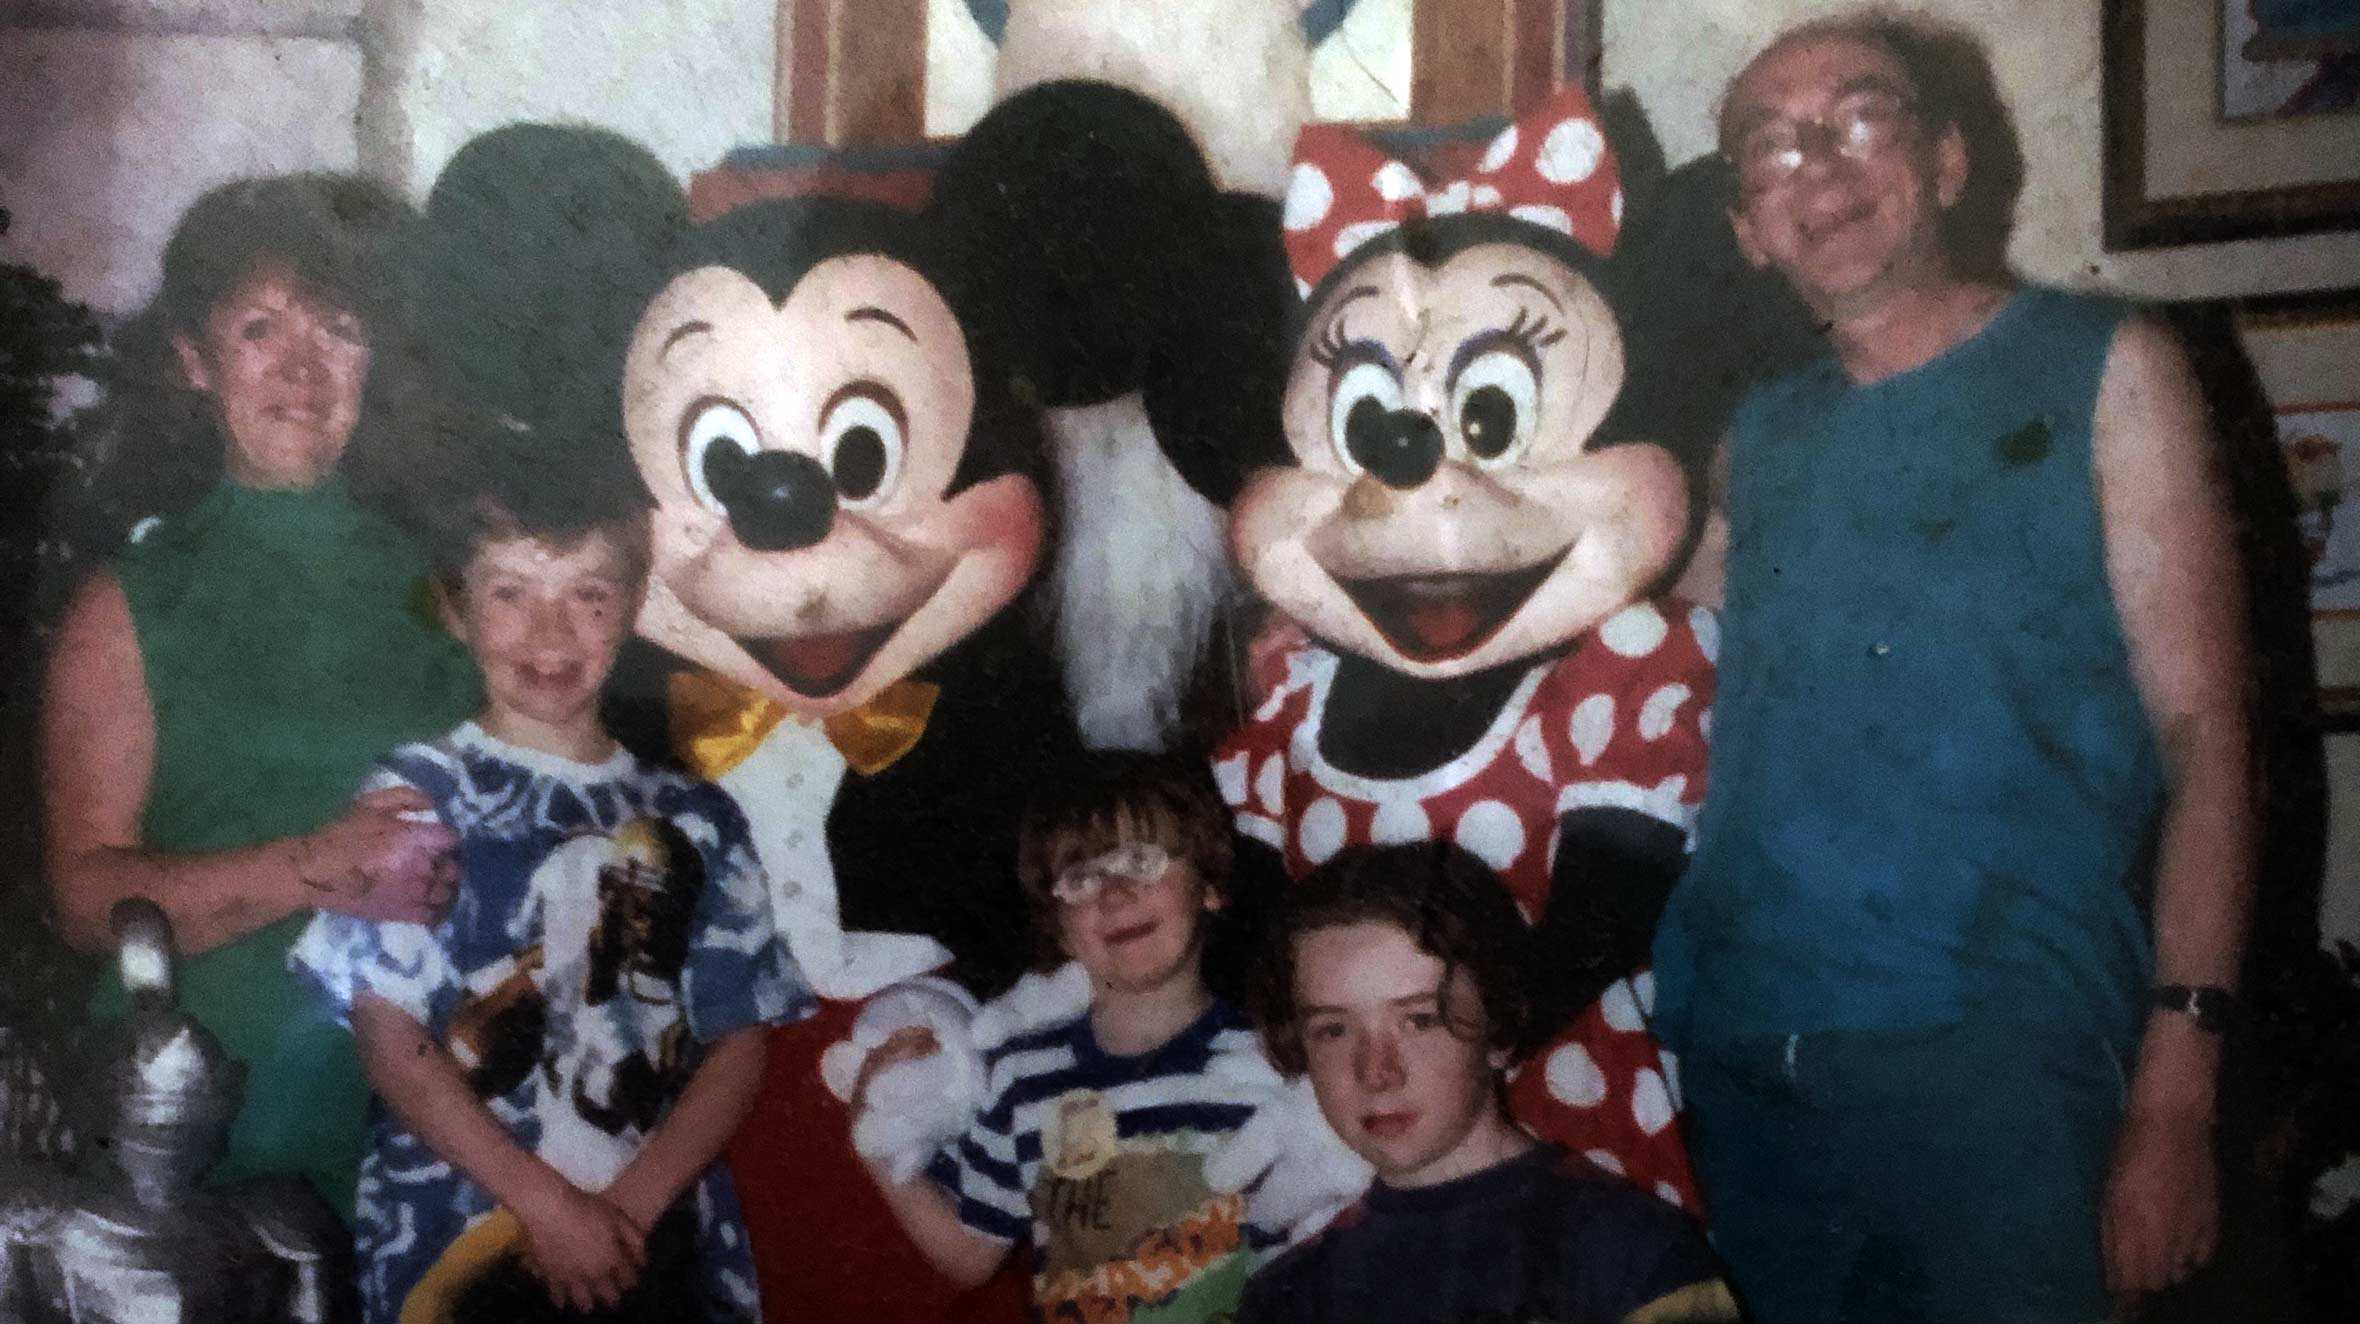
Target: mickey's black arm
(1615,868)
(1106,261)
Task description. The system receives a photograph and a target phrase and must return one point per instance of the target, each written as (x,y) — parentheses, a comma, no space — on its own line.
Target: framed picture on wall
(900,72)
(2229,119)
(2320,441)
(2306,351)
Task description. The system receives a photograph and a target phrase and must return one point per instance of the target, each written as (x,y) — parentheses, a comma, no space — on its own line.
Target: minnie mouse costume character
(1466,525)
(845,508)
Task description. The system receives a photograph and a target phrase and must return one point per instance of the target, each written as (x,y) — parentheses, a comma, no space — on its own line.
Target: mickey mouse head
(840,494)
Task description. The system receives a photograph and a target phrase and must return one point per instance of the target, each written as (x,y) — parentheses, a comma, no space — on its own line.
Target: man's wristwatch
(2209,1005)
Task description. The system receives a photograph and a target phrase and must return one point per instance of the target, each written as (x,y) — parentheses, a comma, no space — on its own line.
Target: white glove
(1036,1002)
(1307,1173)
(912,1108)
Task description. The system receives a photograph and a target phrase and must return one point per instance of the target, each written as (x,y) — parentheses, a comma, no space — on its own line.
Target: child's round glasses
(1140,865)
(1860,126)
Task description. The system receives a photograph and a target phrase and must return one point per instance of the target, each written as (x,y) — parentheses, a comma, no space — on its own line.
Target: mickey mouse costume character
(1470,530)
(845,508)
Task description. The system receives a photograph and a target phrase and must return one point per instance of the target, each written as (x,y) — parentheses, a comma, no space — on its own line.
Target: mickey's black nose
(1402,447)
(777,500)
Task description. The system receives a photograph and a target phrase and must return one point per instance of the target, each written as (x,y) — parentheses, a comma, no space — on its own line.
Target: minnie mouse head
(1460,490)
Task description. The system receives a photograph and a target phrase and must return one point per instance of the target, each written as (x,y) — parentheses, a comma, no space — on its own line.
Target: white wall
(116,114)
(115,118)
(689,79)
(1678,56)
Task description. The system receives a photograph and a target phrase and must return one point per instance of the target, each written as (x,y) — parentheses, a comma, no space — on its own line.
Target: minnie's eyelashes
(1534,330)
(1330,345)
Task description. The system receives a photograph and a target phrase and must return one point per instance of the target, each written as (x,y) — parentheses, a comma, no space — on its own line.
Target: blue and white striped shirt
(1097,1160)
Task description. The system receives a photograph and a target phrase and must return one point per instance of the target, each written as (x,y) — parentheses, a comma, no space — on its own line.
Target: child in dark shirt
(1394,978)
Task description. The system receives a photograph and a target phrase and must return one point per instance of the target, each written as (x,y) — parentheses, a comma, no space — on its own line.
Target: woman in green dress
(216,693)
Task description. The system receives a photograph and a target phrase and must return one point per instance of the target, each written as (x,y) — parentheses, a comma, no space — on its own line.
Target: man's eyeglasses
(1861,125)
(1140,865)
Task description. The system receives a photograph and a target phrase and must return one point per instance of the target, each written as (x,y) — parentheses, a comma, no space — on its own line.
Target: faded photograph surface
(1189,660)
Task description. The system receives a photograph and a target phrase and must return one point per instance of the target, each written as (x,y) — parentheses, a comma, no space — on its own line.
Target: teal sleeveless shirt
(287,643)
(1933,789)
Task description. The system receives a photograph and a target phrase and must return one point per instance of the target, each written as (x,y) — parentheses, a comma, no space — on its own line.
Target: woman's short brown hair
(1106,798)
(1449,903)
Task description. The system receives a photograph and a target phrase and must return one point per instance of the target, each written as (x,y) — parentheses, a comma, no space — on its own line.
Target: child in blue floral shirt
(562,1058)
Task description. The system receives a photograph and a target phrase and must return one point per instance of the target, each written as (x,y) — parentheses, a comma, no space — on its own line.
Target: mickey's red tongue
(820,664)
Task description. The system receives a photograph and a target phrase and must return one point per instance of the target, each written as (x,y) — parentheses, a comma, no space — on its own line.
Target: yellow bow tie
(717,722)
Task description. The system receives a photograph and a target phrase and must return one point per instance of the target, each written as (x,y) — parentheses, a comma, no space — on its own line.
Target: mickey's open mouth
(820,665)
(1435,618)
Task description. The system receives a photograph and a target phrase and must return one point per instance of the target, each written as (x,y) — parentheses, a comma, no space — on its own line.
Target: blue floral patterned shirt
(611,920)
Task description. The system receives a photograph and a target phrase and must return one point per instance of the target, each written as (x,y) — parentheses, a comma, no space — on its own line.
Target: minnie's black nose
(1402,447)
(777,500)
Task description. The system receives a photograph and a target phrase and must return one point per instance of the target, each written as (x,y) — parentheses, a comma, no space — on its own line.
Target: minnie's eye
(1494,401)
(716,441)
(1362,396)
(861,442)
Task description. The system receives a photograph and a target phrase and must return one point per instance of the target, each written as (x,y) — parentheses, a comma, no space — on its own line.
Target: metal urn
(130,1234)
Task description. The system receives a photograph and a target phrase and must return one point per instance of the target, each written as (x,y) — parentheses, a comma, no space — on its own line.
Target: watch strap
(2209,1005)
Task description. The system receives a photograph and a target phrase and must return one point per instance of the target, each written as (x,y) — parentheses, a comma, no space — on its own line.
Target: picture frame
(854,75)
(2305,350)
(2177,170)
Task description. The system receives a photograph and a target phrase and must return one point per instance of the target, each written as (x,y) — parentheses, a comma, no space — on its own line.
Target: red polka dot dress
(1619,721)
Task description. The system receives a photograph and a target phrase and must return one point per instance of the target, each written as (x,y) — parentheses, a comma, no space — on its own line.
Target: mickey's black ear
(1073,203)
(1217,370)
(1700,324)
(541,245)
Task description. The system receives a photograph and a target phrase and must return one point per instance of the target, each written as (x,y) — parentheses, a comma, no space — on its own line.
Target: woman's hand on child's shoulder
(386,858)
(582,1247)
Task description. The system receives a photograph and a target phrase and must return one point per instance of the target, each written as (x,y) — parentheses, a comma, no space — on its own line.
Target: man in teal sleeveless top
(1948,970)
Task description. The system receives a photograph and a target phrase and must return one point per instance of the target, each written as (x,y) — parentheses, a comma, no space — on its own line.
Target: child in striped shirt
(1090,1147)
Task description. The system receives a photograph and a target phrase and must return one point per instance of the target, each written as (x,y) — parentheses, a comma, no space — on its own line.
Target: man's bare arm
(2172,559)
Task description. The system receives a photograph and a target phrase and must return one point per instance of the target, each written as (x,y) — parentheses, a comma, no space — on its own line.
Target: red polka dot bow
(1552,168)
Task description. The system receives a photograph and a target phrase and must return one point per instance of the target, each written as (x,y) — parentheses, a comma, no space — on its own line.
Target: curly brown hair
(1104,799)
(154,443)
(1449,903)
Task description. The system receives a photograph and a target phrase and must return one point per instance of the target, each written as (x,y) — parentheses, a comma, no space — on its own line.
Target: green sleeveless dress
(287,643)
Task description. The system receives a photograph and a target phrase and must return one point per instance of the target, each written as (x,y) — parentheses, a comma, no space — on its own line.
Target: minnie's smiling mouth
(1436,618)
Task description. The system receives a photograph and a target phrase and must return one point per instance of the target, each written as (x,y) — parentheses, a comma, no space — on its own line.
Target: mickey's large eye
(1494,401)
(1363,396)
(861,435)
(716,441)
